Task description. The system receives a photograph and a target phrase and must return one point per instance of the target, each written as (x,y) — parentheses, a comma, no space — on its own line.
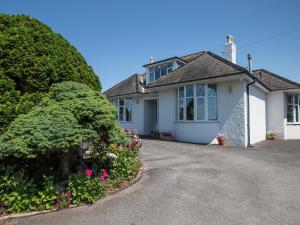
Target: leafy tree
(9,97)
(71,113)
(32,58)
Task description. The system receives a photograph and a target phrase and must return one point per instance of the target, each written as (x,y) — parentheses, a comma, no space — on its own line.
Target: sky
(118,37)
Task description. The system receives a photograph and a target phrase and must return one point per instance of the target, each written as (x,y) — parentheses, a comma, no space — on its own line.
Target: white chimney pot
(230,49)
(151,60)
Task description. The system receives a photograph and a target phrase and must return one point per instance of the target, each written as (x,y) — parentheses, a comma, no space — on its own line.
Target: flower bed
(106,169)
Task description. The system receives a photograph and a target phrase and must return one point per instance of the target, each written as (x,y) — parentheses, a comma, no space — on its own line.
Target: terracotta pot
(221,142)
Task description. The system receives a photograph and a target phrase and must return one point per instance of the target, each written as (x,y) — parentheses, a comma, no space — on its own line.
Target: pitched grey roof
(273,81)
(202,65)
(131,85)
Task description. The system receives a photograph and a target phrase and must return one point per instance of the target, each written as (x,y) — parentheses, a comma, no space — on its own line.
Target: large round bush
(32,58)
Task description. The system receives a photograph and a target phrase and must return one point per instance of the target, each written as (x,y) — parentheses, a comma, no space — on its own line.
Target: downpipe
(248,101)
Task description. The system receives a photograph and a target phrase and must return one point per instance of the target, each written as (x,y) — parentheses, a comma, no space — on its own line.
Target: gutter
(248,101)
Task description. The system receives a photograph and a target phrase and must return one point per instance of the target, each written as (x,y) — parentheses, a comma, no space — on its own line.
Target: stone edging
(20,215)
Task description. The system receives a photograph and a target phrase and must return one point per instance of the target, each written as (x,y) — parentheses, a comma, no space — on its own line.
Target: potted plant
(167,136)
(155,134)
(220,138)
(271,135)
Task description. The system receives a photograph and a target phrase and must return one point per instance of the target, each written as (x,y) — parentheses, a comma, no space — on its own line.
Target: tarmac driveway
(196,184)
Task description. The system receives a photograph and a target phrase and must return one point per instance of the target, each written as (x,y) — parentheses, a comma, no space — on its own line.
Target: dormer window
(160,70)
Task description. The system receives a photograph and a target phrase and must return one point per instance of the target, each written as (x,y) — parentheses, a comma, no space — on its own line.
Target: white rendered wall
(166,104)
(196,132)
(232,112)
(276,113)
(292,131)
(257,115)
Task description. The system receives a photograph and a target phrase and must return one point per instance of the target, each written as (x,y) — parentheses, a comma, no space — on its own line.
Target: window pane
(156,111)
(189,91)
(290,99)
(212,108)
(200,90)
(200,109)
(189,109)
(212,90)
(290,113)
(181,109)
(121,102)
(295,99)
(170,70)
(128,114)
(121,113)
(297,113)
(128,109)
(163,71)
(151,77)
(157,74)
(181,92)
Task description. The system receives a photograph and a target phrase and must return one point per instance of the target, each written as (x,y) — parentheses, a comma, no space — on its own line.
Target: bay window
(197,103)
(293,105)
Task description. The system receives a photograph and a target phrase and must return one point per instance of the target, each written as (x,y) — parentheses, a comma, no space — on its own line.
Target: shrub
(84,189)
(18,193)
(71,113)
(32,58)
(125,166)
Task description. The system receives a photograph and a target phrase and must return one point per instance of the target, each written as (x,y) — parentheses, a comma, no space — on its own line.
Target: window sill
(293,124)
(193,121)
(125,121)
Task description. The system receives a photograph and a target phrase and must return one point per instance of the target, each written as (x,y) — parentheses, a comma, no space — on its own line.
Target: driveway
(196,184)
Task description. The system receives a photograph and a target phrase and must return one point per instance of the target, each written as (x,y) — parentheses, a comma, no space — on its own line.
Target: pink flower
(104,174)
(88,172)
(69,194)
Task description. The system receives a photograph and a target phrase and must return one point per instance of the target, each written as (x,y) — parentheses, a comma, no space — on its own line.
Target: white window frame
(168,66)
(116,102)
(195,97)
(294,105)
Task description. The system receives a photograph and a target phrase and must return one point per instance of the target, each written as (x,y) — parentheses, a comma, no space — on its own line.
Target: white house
(196,96)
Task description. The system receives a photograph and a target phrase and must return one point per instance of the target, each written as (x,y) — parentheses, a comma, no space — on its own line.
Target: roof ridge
(121,82)
(193,54)
(222,59)
(277,76)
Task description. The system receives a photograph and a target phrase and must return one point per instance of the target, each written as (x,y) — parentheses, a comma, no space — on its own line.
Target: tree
(32,58)
(69,114)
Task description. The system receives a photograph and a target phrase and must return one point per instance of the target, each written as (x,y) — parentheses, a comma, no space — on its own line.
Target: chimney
(230,49)
(151,60)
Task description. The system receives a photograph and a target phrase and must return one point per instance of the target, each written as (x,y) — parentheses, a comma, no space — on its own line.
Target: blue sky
(118,37)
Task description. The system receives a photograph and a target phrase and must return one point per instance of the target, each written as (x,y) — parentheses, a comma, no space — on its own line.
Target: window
(197,102)
(293,105)
(124,107)
(159,71)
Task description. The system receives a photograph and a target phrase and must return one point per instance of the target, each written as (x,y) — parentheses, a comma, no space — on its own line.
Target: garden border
(23,215)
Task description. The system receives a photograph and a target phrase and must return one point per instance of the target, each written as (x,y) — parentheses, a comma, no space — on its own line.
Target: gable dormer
(155,70)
